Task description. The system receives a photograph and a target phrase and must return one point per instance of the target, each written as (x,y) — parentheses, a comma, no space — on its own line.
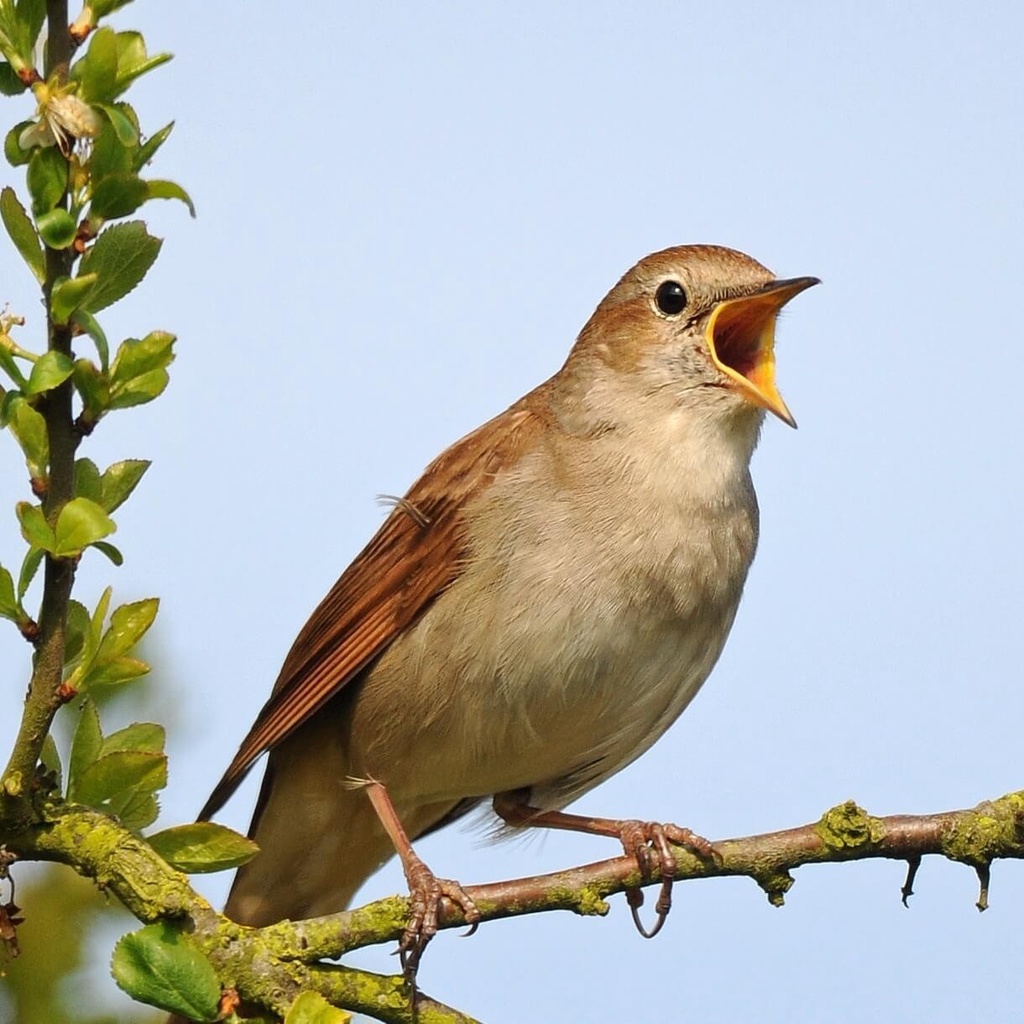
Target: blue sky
(406,213)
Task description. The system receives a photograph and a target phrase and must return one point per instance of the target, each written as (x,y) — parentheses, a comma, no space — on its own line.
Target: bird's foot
(427,894)
(649,843)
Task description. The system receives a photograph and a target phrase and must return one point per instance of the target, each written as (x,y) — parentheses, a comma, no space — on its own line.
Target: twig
(44,698)
(267,965)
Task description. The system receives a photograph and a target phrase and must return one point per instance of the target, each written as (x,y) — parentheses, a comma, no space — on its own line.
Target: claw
(635,899)
(426,895)
(648,842)
(426,890)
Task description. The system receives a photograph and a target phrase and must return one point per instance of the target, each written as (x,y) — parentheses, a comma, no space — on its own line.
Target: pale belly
(554,703)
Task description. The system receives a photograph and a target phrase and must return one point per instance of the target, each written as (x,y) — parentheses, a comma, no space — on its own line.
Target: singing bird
(540,606)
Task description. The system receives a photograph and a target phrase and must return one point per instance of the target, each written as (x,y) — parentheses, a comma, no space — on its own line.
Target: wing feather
(418,552)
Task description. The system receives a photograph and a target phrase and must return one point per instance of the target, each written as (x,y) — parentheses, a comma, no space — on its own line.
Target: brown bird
(537,610)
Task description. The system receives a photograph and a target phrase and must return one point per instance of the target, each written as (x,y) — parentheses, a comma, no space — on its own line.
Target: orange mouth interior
(741,339)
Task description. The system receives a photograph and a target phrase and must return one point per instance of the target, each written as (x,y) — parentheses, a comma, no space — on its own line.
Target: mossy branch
(44,696)
(269,966)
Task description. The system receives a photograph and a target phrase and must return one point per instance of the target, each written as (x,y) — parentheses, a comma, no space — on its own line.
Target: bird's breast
(586,618)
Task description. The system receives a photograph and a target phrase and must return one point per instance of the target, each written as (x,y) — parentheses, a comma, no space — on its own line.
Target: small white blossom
(64,120)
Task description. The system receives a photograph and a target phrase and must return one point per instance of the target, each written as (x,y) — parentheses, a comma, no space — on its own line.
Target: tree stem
(44,698)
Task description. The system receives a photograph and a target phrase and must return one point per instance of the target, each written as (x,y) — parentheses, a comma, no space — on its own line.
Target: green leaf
(120,480)
(132,59)
(138,373)
(7,403)
(79,634)
(9,606)
(47,179)
(85,746)
(136,357)
(312,1008)
(148,149)
(202,847)
(68,294)
(34,527)
(125,128)
(19,27)
(136,808)
(160,966)
(116,776)
(96,72)
(99,616)
(101,8)
(50,370)
(121,255)
(31,14)
(87,481)
(81,522)
(108,549)
(13,151)
(11,368)
(10,83)
(51,759)
(147,737)
(128,625)
(29,429)
(88,323)
(117,671)
(139,390)
(22,233)
(170,190)
(57,228)
(94,388)
(109,154)
(117,195)
(29,568)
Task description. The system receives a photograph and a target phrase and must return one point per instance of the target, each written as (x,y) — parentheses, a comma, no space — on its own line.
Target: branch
(122,863)
(269,966)
(44,697)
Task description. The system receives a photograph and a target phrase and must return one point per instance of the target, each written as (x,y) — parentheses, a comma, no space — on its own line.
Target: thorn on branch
(908,886)
(984,877)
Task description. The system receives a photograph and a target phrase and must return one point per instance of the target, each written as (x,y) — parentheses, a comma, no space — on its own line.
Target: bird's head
(694,323)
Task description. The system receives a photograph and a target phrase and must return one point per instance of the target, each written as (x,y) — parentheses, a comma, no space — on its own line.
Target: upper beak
(741,337)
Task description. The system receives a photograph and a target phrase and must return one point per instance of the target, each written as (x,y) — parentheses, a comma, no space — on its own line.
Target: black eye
(670,298)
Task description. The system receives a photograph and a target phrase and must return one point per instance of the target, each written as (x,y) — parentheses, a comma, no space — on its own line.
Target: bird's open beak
(741,337)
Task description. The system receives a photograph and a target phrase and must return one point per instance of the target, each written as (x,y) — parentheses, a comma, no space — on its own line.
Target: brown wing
(412,558)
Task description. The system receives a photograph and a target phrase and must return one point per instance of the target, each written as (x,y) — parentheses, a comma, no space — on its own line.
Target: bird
(538,608)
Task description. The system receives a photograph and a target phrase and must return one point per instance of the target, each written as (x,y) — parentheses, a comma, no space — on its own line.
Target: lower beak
(741,337)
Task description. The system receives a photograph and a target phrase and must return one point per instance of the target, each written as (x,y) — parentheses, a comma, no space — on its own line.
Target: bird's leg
(646,841)
(426,890)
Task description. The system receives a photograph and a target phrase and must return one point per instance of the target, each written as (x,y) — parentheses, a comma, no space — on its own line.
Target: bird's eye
(670,298)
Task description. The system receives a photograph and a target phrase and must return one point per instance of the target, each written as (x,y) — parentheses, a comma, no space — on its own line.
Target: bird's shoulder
(417,553)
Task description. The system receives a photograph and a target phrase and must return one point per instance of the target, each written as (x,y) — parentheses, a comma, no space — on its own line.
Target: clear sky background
(406,213)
